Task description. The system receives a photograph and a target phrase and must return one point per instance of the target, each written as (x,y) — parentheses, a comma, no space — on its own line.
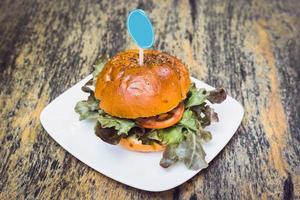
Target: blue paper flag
(140,28)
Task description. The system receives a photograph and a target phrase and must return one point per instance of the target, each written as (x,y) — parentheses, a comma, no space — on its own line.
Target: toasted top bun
(127,90)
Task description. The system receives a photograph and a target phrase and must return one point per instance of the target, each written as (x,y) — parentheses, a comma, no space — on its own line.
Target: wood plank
(252,48)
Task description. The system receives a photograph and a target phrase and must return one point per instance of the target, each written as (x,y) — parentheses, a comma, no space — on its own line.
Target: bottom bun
(133,145)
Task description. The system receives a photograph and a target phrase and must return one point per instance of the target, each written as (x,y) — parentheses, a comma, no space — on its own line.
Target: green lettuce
(122,126)
(189,120)
(196,97)
(217,96)
(169,156)
(108,135)
(191,152)
(99,65)
(172,135)
(189,148)
(87,109)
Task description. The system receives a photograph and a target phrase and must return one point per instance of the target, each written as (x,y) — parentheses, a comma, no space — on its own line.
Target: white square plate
(139,170)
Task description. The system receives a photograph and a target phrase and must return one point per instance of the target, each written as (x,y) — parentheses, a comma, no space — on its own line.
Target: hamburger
(149,108)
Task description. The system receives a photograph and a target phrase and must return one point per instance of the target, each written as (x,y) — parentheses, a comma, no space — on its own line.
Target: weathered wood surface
(252,48)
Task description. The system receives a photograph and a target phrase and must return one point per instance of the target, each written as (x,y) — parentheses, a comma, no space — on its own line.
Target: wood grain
(252,48)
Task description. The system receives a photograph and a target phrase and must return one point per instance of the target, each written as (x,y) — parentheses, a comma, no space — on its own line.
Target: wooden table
(252,48)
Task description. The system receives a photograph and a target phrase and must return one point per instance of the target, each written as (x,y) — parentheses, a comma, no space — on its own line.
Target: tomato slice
(163,120)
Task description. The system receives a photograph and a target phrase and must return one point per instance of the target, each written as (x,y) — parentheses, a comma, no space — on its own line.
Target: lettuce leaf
(196,97)
(107,134)
(169,156)
(217,96)
(205,114)
(172,135)
(189,148)
(99,65)
(192,123)
(87,109)
(189,120)
(191,152)
(122,126)
(205,135)
(197,102)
